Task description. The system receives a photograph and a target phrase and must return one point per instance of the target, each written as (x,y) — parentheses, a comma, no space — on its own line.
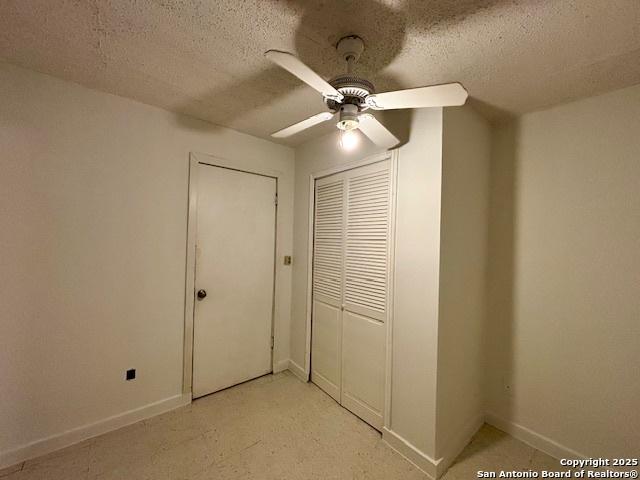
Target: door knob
(201,294)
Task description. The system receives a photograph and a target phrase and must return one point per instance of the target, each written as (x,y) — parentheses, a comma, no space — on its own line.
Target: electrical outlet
(507,384)
(287,259)
(131,374)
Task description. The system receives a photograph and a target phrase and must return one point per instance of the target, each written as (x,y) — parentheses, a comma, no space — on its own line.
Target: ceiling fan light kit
(348,117)
(349,139)
(348,97)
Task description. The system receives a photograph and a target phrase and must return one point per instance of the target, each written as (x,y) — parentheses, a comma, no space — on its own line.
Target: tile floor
(274,427)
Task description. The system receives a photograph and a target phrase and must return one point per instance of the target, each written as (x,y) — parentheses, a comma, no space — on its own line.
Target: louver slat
(328,243)
(367,237)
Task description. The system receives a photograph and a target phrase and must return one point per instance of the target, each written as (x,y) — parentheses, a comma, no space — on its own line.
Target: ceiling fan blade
(293,65)
(376,132)
(447,95)
(303,125)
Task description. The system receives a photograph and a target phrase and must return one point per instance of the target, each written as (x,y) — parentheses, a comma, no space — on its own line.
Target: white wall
(564,344)
(416,283)
(416,267)
(93,192)
(463,259)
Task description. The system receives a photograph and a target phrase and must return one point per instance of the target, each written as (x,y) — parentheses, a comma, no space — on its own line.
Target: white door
(351,275)
(235,257)
(326,314)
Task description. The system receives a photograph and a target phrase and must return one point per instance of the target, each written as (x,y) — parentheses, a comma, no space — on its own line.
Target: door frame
(195,159)
(391,155)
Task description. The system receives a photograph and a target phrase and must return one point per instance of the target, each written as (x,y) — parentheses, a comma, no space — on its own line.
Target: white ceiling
(204,58)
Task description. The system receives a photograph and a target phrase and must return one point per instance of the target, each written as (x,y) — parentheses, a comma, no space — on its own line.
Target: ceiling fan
(348,97)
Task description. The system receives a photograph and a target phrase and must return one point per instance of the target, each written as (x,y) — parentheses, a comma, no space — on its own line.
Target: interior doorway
(234,277)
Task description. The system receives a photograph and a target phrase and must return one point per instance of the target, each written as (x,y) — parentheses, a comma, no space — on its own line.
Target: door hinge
(272,342)
(275,200)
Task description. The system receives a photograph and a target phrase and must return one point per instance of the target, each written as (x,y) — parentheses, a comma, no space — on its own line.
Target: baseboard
(421,460)
(298,371)
(70,437)
(281,365)
(533,439)
(458,444)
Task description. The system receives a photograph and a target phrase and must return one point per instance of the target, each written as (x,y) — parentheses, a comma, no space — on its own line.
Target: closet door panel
(327,345)
(367,240)
(328,242)
(363,367)
(328,273)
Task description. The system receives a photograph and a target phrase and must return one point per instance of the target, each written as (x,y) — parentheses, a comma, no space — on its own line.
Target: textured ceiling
(205,58)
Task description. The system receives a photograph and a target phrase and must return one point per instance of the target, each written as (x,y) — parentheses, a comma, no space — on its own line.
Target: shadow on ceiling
(382,27)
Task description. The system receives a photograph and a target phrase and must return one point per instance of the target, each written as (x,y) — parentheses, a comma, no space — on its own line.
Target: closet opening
(351,233)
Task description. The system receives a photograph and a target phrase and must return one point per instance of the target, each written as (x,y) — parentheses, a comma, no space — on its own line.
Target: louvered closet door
(366,287)
(328,253)
(350,287)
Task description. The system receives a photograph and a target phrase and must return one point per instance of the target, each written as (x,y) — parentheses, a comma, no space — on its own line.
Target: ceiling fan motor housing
(354,89)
